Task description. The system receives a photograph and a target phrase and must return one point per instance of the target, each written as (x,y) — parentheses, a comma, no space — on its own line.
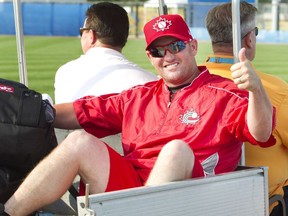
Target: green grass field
(44,55)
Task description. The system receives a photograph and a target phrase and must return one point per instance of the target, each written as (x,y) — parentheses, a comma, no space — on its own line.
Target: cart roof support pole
(236,31)
(20,43)
(162,7)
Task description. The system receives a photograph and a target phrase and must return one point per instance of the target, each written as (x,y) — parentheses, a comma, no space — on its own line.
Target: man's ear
(194,45)
(248,40)
(148,54)
(93,37)
(149,57)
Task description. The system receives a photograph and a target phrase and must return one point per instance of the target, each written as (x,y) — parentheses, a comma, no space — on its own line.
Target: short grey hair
(219,21)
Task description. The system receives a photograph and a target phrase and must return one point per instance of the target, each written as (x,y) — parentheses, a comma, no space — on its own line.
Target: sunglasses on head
(173,47)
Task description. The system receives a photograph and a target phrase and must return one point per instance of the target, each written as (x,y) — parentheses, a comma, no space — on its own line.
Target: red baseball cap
(166,25)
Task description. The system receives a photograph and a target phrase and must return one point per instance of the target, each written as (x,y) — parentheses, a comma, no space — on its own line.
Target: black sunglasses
(84,29)
(173,47)
(256,31)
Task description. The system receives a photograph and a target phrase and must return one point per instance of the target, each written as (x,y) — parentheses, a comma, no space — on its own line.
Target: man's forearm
(66,117)
(260,115)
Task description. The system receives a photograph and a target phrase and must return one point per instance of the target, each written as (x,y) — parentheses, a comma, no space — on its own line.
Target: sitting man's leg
(176,161)
(79,153)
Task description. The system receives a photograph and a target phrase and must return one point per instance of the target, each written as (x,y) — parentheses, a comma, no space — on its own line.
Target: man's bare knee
(177,148)
(178,153)
(78,135)
(81,143)
(175,162)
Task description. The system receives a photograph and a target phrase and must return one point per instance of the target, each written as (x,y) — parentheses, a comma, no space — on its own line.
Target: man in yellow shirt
(219,26)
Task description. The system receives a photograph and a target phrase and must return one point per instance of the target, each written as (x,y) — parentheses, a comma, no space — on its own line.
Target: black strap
(30,114)
(72,190)
(281,207)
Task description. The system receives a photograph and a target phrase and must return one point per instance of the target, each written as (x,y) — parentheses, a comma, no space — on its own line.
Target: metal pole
(19,41)
(275,15)
(162,7)
(137,20)
(236,31)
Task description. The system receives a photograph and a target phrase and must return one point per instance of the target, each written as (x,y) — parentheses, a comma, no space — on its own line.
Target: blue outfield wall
(65,19)
(44,18)
(7,25)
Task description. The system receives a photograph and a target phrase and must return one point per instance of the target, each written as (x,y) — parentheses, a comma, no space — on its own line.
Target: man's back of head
(219,22)
(110,23)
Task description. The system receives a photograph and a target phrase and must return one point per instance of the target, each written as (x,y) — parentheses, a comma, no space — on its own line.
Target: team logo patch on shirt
(162,24)
(190,117)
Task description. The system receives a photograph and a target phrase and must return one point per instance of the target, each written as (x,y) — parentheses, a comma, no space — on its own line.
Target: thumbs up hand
(244,75)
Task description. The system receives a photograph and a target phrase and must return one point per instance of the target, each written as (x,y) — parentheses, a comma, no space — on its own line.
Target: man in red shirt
(188,124)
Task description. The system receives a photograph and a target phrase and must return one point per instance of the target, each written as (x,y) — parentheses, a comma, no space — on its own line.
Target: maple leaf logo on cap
(162,24)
